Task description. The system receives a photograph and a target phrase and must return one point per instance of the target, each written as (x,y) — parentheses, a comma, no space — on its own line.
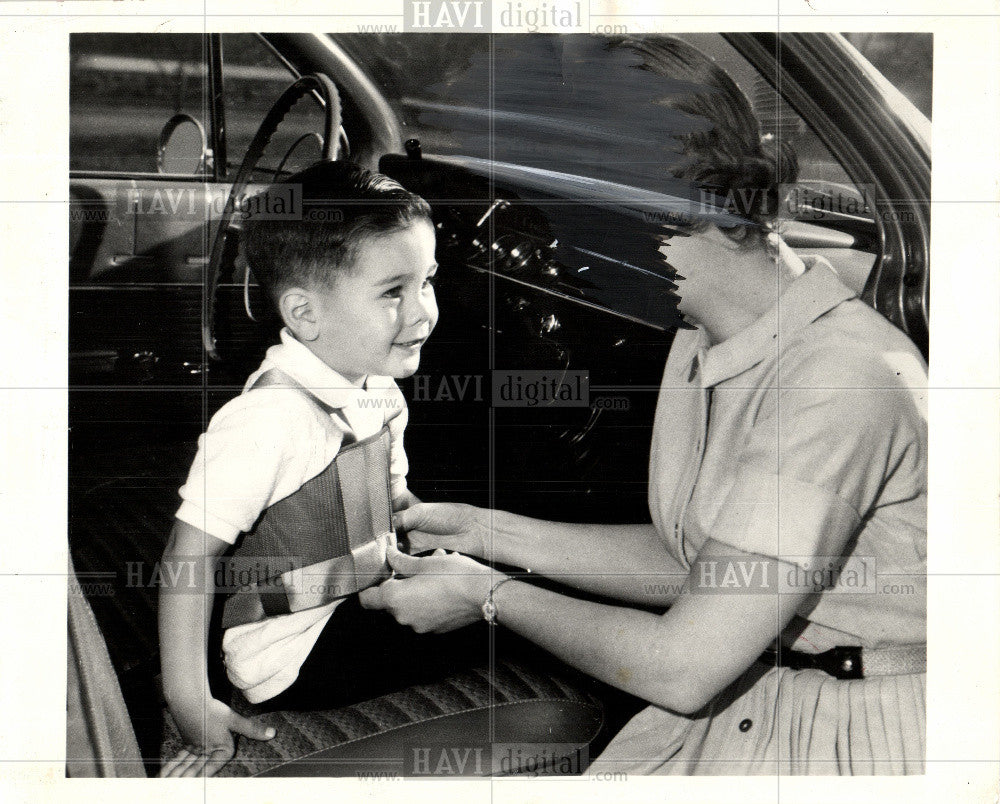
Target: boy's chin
(405,368)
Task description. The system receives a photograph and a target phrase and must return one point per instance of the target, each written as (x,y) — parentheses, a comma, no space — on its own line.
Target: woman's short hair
(727,155)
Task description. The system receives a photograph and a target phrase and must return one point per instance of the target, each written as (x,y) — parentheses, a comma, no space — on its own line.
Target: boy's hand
(208,737)
(453,526)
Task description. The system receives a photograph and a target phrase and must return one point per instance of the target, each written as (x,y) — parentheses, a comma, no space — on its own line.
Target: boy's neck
(358,382)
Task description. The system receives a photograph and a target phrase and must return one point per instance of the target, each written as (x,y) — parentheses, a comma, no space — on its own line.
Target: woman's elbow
(687,700)
(685,694)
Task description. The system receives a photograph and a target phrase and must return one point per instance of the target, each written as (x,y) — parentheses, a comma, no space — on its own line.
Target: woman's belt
(851,661)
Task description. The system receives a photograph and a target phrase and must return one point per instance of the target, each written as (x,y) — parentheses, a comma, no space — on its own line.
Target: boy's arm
(258,447)
(205,724)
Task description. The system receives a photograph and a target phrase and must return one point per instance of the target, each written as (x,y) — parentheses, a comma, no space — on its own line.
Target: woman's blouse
(804,438)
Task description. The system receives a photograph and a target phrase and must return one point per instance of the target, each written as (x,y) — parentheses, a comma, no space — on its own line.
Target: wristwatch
(490,607)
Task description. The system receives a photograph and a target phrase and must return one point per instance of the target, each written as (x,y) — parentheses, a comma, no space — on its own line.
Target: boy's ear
(298,311)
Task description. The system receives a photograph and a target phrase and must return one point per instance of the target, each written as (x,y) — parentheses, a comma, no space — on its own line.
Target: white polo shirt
(262,447)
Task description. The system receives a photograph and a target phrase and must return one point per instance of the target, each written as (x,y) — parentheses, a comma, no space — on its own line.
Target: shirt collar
(811,295)
(295,359)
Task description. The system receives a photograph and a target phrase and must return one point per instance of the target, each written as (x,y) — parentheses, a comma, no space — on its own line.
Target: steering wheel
(331,126)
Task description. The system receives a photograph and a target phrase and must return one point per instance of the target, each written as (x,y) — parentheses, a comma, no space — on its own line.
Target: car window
(124,88)
(568,103)
(906,59)
(437,84)
(777,118)
(254,78)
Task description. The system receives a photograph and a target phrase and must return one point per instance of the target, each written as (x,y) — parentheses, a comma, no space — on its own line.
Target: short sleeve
(252,455)
(816,461)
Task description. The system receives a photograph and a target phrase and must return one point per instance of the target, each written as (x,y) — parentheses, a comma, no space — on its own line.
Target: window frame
(840,95)
(214,54)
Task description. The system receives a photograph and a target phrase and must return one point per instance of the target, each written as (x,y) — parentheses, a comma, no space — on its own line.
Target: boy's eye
(430,281)
(394,292)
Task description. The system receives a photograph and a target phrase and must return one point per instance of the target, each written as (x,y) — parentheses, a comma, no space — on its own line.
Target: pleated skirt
(779,721)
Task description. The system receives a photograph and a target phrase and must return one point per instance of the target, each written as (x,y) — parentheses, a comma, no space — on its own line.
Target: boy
(353,283)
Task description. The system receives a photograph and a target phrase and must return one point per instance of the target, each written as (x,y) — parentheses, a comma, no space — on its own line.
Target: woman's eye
(430,281)
(394,293)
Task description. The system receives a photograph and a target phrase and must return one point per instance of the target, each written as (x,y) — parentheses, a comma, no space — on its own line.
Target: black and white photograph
(515,391)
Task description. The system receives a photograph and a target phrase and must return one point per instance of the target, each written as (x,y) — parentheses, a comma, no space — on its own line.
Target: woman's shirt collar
(810,296)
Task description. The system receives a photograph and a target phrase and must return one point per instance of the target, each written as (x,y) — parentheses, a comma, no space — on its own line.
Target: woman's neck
(731,306)
(721,328)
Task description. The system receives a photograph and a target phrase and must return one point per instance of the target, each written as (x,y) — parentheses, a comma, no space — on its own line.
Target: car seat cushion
(537,702)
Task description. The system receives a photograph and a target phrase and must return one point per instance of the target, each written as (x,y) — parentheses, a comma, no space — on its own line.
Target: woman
(787,489)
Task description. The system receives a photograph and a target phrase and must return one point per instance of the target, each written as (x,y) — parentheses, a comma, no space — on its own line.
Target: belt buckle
(843,662)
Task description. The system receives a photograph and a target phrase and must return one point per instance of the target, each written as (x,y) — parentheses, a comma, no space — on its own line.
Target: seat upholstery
(510,703)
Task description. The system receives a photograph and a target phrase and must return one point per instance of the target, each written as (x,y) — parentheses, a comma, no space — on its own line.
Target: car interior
(550,262)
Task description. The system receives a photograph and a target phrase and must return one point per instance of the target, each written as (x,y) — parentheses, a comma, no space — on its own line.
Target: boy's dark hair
(343,204)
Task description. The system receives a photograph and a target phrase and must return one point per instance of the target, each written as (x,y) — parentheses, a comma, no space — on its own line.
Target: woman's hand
(439,593)
(453,526)
(208,736)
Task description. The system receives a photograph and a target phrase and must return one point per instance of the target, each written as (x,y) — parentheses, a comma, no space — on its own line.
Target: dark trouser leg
(362,654)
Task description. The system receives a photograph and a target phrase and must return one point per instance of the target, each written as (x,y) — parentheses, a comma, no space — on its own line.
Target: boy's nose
(423,308)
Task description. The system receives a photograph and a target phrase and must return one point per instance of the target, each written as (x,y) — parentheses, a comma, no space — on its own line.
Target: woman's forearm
(633,564)
(679,659)
(627,648)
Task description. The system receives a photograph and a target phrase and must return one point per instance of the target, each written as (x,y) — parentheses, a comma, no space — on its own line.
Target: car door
(143,213)
(880,140)
(158,124)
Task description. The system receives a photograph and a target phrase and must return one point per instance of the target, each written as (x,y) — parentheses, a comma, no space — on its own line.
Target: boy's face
(376,316)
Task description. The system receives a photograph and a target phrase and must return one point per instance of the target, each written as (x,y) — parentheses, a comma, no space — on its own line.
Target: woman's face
(727,284)
(706,261)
